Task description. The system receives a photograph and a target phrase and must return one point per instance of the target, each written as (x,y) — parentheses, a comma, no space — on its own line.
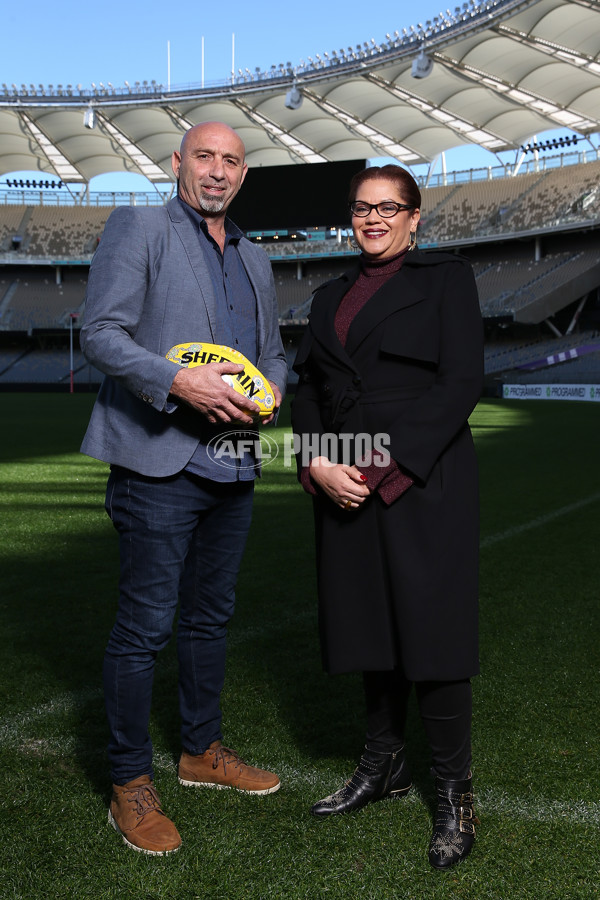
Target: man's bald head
(210,167)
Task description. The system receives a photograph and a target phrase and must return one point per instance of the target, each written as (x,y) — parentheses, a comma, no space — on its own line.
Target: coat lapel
(322,314)
(396,294)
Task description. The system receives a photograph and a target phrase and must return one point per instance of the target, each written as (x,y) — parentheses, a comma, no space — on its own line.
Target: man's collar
(231,229)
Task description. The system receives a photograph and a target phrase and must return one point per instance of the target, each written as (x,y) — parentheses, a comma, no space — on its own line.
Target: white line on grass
(515,530)
(16,732)
(13,729)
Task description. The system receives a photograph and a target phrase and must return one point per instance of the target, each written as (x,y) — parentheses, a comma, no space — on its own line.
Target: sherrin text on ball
(250,383)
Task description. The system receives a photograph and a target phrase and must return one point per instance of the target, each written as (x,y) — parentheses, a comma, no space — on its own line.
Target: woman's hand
(344,485)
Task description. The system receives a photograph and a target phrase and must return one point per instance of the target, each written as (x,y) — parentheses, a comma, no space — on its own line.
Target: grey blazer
(149,289)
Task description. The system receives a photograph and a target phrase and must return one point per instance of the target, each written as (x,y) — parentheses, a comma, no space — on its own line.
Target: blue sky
(84,43)
(76,42)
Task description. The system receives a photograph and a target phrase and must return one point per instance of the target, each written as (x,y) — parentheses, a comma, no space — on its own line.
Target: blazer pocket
(413,333)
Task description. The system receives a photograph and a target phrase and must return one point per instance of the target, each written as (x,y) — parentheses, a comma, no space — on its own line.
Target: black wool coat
(398,584)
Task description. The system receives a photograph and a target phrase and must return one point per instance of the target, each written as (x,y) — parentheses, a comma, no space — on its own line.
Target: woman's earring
(351,244)
(412,243)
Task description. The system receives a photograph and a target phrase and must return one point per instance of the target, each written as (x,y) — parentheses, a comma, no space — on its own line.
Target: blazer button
(357,380)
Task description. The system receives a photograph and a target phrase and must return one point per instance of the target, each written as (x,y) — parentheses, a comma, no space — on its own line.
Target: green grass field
(536,727)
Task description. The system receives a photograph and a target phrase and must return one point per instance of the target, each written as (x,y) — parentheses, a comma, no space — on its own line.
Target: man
(161,277)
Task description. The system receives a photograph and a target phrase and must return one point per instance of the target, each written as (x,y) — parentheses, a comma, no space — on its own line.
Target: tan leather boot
(220,767)
(135,812)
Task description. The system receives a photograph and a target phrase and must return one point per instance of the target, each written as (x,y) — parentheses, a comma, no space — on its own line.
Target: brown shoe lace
(146,800)
(227,757)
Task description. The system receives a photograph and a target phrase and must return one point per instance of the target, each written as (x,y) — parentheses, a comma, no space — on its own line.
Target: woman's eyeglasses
(386,210)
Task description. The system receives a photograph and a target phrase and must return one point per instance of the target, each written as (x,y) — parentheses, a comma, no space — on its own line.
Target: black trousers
(446,711)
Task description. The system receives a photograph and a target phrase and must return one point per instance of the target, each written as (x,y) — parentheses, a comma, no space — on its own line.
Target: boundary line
(537,522)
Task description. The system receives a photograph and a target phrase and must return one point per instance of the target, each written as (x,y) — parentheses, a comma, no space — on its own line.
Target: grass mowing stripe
(538,522)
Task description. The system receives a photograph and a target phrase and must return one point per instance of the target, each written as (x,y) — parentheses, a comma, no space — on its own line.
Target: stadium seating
(29,299)
(63,232)
(521,204)
(532,240)
(10,225)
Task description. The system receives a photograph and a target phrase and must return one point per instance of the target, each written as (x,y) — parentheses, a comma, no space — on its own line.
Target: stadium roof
(492,74)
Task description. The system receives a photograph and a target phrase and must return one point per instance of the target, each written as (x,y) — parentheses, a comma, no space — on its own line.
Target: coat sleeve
(115,303)
(307,426)
(306,415)
(426,426)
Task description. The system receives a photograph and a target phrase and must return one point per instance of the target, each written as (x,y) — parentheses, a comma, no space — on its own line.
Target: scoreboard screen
(305,196)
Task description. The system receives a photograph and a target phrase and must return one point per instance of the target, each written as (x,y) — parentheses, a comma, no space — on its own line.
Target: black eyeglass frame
(375,206)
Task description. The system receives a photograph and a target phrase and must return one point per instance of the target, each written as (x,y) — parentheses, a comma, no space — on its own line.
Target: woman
(390,368)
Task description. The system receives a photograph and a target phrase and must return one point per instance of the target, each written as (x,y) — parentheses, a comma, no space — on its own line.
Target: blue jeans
(181,539)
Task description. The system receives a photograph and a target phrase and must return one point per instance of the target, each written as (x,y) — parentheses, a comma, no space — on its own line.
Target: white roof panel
(502,72)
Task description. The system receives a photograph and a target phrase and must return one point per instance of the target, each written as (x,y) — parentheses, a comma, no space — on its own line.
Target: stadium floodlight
(293,98)
(422,65)
(553,144)
(89,117)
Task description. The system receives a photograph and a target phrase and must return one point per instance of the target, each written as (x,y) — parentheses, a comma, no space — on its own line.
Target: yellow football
(250,383)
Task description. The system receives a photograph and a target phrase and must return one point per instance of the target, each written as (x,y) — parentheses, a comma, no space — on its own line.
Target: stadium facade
(494,74)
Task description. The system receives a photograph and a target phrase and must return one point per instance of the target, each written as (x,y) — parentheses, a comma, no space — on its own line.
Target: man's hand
(202,388)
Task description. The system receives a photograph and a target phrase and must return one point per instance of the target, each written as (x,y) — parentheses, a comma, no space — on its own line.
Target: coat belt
(345,399)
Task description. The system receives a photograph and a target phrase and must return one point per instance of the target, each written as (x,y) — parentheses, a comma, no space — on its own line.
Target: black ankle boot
(377,775)
(454,829)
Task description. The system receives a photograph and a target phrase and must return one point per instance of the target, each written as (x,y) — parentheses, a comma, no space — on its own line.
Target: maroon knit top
(373,275)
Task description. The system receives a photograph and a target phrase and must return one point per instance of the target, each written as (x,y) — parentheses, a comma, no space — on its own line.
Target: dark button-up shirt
(236,313)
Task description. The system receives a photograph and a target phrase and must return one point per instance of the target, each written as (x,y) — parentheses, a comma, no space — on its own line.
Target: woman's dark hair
(403,181)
